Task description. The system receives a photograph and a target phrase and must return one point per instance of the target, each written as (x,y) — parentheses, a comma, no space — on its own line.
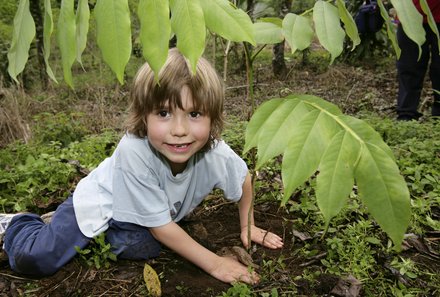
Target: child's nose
(180,127)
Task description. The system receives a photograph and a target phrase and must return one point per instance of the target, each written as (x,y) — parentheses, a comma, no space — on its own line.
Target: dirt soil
(215,223)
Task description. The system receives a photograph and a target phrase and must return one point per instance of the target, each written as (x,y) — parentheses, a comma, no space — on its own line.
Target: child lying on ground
(170,158)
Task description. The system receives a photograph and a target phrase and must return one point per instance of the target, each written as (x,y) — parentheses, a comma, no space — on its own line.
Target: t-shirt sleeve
(233,172)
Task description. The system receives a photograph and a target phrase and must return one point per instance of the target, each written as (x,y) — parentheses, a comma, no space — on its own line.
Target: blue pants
(37,249)
(411,73)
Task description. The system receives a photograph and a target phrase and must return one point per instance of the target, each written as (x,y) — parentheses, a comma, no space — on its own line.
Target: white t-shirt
(136,185)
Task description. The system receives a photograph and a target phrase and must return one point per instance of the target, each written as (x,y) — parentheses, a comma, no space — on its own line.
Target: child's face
(178,133)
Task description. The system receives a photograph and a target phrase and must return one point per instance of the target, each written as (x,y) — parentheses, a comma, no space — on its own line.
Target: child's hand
(260,236)
(229,270)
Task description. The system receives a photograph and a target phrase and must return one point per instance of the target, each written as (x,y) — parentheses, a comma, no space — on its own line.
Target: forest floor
(215,223)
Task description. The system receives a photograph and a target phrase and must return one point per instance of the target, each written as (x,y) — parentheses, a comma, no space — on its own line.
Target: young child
(170,158)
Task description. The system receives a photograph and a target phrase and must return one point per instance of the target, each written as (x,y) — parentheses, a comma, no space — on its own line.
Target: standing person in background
(411,70)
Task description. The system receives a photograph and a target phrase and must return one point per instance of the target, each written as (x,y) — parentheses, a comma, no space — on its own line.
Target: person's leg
(39,249)
(434,70)
(411,73)
(131,241)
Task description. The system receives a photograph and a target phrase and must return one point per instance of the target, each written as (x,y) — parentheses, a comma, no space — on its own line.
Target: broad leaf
(272,140)
(384,191)
(24,33)
(430,18)
(328,28)
(349,24)
(298,31)
(154,16)
(256,124)
(227,21)
(47,33)
(188,23)
(82,27)
(391,32)
(114,34)
(267,33)
(307,143)
(66,39)
(336,178)
(411,20)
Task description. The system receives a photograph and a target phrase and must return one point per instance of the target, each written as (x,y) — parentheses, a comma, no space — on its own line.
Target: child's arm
(258,235)
(225,269)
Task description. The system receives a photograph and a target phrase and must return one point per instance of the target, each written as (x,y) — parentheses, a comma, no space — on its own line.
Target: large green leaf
(66,39)
(328,28)
(336,178)
(188,23)
(267,33)
(271,140)
(307,143)
(24,33)
(82,27)
(227,21)
(411,20)
(430,18)
(114,34)
(298,31)
(155,32)
(47,33)
(349,24)
(391,32)
(383,191)
(256,124)
(340,148)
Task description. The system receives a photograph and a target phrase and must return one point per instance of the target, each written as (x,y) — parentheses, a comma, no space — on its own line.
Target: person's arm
(258,235)
(225,269)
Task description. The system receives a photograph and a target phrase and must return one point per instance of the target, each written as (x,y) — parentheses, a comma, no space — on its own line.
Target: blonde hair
(148,95)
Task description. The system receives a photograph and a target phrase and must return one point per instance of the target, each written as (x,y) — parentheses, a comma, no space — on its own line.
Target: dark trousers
(38,249)
(411,73)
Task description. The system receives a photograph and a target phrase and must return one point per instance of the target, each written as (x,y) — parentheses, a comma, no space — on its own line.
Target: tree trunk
(35,9)
(279,67)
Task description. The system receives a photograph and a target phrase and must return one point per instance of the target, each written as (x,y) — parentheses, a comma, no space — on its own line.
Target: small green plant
(238,290)
(98,253)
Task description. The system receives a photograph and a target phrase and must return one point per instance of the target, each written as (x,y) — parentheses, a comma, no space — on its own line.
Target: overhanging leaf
(328,28)
(47,33)
(154,16)
(298,31)
(188,23)
(22,36)
(82,27)
(267,33)
(114,34)
(390,28)
(349,24)
(411,20)
(66,39)
(430,19)
(384,191)
(227,21)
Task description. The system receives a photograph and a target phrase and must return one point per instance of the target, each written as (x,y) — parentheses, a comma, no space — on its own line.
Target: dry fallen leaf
(152,281)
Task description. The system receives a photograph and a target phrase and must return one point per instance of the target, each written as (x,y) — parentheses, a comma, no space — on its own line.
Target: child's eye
(163,113)
(195,114)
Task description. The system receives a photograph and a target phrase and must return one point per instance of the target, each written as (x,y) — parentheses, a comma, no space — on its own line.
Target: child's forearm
(175,238)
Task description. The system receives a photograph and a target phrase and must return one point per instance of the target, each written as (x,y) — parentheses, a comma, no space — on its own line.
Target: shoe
(5,219)
(47,217)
